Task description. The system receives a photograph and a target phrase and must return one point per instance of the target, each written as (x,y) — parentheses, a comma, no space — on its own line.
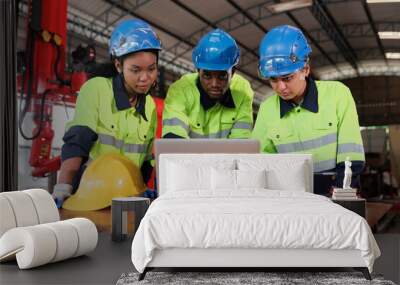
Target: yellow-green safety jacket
(185,116)
(325,125)
(104,122)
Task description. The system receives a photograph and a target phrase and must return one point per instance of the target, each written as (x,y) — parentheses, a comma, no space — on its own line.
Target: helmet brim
(214,67)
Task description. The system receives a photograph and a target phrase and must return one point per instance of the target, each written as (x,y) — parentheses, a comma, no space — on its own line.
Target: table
(357,205)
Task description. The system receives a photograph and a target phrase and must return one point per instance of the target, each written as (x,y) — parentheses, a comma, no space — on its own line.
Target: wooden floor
(376,211)
(102,218)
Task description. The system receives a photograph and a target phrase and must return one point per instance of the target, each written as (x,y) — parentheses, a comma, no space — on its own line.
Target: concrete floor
(389,243)
(106,264)
(389,262)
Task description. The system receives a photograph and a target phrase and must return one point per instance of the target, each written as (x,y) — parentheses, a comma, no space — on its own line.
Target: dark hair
(108,69)
(102,70)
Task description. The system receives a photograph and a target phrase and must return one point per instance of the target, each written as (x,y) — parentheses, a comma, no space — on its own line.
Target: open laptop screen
(204,146)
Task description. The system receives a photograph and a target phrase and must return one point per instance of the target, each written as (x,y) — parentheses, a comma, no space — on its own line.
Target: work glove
(150,193)
(61,191)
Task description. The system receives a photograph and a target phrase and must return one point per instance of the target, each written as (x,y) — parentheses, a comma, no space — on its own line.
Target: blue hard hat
(217,50)
(283,50)
(131,36)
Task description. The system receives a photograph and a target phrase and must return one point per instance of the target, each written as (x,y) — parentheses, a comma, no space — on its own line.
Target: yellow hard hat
(109,176)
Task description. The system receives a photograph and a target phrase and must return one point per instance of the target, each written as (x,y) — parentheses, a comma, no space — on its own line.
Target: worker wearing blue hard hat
(114,120)
(214,102)
(304,115)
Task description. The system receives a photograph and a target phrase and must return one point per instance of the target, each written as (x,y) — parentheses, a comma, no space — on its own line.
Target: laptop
(203,146)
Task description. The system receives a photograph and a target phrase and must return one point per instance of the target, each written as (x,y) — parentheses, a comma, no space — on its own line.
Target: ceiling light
(382,1)
(393,55)
(392,35)
(289,5)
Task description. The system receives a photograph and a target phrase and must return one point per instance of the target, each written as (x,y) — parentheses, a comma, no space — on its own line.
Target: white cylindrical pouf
(45,207)
(66,237)
(33,246)
(23,208)
(87,234)
(7,218)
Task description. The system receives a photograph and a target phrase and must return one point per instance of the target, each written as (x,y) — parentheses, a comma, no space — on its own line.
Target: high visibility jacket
(118,131)
(185,116)
(330,135)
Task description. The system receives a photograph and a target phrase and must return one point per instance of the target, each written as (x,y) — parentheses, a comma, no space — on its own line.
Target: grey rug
(225,278)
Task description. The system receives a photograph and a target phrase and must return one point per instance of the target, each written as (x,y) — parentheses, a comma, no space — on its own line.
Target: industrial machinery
(43,81)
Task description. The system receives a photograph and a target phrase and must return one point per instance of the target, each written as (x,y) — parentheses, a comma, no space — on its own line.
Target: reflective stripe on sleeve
(307,145)
(127,147)
(243,125)
(175,122)
(217,135)
(350,147)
